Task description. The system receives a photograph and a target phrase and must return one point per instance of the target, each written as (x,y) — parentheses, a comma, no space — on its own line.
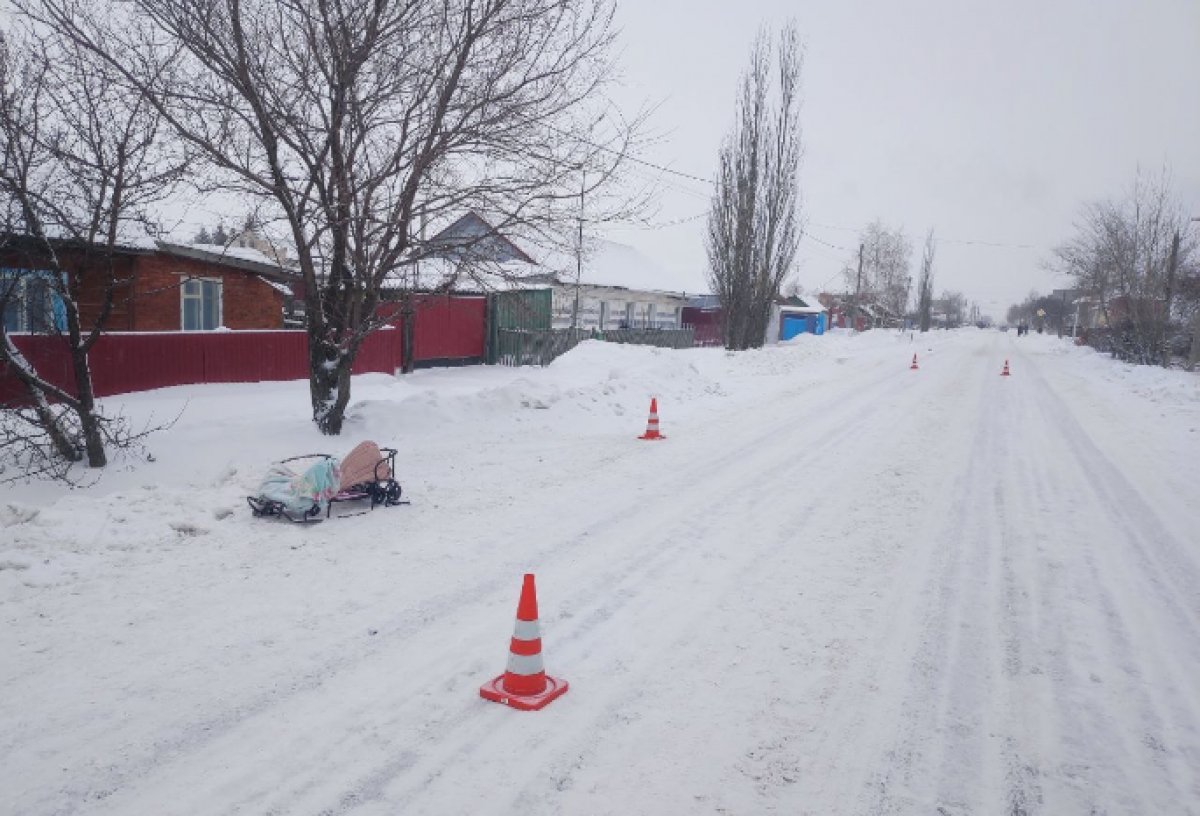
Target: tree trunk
(49,422)
(89,424)
(93,440)
(407,351)
(324,363)
(23,371)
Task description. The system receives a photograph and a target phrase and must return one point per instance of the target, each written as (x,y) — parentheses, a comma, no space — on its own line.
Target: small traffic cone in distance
(652,423)
(914,366)
(525,684)
(1005,373)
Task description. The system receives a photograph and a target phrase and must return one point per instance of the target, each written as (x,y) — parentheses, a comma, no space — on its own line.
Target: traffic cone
(652,422)
(525,684)
(914,366)
(1005,373)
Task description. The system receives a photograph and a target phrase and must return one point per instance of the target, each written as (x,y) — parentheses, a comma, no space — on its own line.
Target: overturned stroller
(367,473)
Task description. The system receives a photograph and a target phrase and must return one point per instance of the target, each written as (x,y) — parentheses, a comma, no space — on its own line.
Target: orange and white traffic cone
(914,366)
(1005,373)
(525,684)
(652,422)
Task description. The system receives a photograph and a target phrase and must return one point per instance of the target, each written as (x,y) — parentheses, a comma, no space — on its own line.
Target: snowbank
(1154,383)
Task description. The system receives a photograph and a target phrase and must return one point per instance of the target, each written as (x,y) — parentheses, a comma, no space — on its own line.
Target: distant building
(613,286)
(793,316)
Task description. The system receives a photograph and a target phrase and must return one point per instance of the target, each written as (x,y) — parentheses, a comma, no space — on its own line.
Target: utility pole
(579,249)
(1166,318)
(857,288)
(1062,313)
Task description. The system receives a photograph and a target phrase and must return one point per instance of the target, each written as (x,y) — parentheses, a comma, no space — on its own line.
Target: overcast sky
(989,121)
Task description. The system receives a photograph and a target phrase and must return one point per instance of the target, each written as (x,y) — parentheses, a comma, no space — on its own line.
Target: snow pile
(1159,385)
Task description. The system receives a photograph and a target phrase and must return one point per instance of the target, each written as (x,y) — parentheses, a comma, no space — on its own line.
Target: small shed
(794,316)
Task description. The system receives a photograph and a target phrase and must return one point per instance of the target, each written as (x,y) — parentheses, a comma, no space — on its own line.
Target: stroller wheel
(261,507)
(392,492)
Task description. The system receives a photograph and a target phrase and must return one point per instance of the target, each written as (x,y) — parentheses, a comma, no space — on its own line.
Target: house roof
(806,309)
(243,258)
(479,257)
(471,237)
(126,246)
(609,263)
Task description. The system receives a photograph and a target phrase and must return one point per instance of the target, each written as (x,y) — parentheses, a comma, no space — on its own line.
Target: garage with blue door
(795,321)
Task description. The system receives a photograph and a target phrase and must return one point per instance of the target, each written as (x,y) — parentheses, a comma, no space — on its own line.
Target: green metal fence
(539,347)
(512,315)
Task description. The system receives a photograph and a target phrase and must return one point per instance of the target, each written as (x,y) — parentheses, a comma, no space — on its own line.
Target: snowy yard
(840,587)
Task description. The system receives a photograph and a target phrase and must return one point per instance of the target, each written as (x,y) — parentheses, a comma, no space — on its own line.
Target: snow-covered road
(840,587)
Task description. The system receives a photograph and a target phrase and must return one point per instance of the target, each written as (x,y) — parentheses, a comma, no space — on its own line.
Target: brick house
(161,287)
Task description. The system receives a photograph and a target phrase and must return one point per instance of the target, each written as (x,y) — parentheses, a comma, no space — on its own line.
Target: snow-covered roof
(244,258)
(793,309)
(441,273)
(499,262)
(282,288)
(608,263)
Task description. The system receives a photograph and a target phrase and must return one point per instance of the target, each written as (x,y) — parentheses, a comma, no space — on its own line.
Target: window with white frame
(200,304)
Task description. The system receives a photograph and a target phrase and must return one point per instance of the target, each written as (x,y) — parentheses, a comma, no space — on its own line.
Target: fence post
(489,329)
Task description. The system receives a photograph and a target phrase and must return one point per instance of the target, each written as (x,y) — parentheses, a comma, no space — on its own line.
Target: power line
(833,227)
(824,243)
(988,244)
(665,224)
(681,174)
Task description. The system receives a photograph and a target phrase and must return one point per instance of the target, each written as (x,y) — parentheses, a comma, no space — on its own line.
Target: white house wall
(619,308)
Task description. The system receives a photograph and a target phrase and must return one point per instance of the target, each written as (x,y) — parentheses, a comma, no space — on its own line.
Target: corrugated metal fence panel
(47,356)
(123,363)
(529,309)
(287,359)
(380,352)
(445,327)
(450,328)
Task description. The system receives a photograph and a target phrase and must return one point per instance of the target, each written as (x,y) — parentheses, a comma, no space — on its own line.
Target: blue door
(794,325)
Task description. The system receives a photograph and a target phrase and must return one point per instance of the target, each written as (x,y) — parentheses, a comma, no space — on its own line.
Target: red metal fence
(708,325)
(444,329)
(140,361)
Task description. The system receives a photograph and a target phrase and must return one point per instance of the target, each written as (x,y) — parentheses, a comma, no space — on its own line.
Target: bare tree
(954,304)
(81,160)
(886,257)
(925,285)
(353,123)
(754,226)
(1130,255)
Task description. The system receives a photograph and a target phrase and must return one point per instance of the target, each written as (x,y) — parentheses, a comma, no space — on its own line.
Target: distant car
(1004,328)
